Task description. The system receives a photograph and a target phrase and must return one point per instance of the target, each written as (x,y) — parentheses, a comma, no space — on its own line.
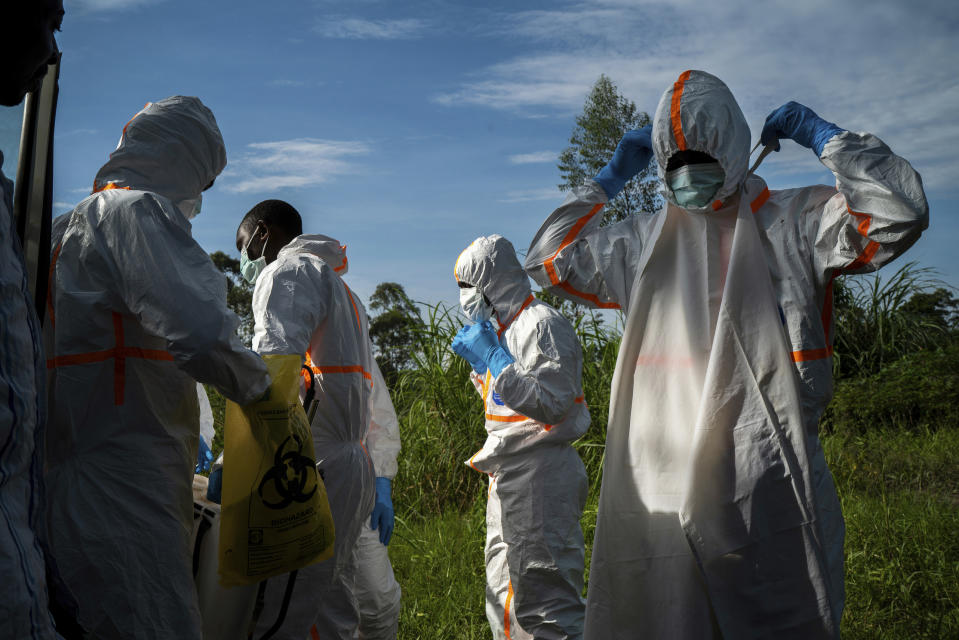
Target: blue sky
(407,129)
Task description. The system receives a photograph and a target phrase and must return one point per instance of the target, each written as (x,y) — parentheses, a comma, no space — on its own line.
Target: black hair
(274,213)
(688,156)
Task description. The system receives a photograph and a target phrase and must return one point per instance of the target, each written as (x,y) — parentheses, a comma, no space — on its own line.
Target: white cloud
(905,90)
(533,195)
(359,29)
(536,157)
(295,84)
(302,162)
(78,132)
(108,5)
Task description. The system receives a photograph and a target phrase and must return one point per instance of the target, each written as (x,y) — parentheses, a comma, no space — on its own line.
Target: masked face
(473,304)
(251,269)
(695,185)
(191,207)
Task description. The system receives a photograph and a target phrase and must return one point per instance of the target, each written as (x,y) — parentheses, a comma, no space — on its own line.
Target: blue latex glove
(204,457)
(632,155)
(382,516)
(460,346)
(485,343)
(799,123)
(214,489)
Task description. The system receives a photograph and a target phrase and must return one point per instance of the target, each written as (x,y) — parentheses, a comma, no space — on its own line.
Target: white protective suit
(301,305)
(377,591)
(717,511)
(534,410)
(137,313)
(23,589)
(207,429)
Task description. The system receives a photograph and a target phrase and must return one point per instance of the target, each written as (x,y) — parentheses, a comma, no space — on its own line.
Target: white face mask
(190,207)
(473,304)
(695,185)
(251,269)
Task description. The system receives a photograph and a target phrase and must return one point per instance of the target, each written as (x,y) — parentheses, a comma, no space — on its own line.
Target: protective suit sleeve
(59,227)
(57,230)
(573,257)
(207,429)
(383,439)
(879,212)
(546,378)
(478,380)
(172,287)
(289,303)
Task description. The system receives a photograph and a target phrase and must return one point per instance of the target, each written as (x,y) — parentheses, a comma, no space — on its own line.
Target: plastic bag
(275,514)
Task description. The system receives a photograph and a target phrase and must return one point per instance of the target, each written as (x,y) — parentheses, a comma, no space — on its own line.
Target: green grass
(439,564)
(900,496)
(902,566)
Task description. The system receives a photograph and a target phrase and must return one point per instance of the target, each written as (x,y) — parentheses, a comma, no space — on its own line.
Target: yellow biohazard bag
(275,516)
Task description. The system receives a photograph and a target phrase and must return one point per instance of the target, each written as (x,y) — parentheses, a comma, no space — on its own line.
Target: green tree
(239,294)
(394,328)
(938,307)
(606,116)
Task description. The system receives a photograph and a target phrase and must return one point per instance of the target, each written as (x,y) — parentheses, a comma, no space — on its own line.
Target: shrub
(919,391)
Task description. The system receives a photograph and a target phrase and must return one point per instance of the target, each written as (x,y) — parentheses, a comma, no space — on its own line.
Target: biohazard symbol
(287,480)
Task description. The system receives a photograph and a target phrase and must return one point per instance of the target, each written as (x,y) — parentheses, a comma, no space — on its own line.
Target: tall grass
(600,345)
(442,423)
(873,326)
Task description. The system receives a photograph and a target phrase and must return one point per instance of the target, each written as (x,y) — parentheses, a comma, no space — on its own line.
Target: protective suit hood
(699,113)
(325,248)
(172,147)
(490,264)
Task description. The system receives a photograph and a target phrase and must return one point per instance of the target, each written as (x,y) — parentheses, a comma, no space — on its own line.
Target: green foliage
(441,421)
(900,498)
(937,307)
(600,349)
(877,322)
(606,116)
(393,330)
(239,294)
(902,567)
(439,563)
(889,459)
(919,391)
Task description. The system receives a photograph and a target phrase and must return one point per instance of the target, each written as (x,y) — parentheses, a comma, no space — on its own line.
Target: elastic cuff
(824,135)
(610,183)
(499,359)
